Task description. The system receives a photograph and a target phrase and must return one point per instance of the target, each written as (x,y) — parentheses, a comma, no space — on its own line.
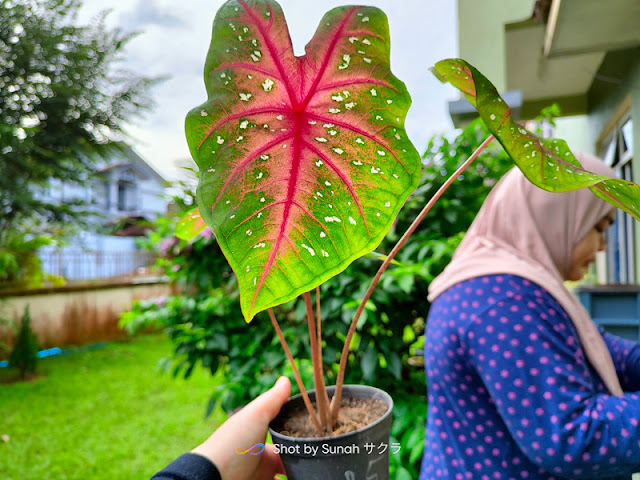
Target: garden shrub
(24,355)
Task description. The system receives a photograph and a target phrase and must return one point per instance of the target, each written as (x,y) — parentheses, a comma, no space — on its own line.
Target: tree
(24,355)
(63,104)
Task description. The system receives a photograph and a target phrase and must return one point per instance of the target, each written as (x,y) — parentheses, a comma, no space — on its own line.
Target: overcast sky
(175,37)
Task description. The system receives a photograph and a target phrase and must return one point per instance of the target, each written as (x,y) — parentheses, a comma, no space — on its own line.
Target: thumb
(267,405)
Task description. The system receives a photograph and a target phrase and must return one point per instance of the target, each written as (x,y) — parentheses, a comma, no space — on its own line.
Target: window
(126,196)
(617,152)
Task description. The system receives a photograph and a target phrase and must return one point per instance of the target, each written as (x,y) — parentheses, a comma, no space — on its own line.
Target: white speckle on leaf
(245,96)
(378,214)
(249,77)
(338,150)
(365,19)
(260,245)
(233,27)
(232,217)
(395,176)
(244,124)
(330,206)
(245,29)
(349,105)
(260,175)
(381,153)
(239,139)
(357,162)
(397,136)
(322,234)
(284,146)
(319,163)
(361,52)
(352,221)
(375,170)
(328,125)
(321,139)
(324,254)
(346,58)
(327,183)
(211,170)
(334,110)
(248,268)
(262,199)
(312,122)
(268,84)
(254,58)
(203,113)
(333,133)
(280,117)
(346,93)
(227,202)
(254,42)
(378,117)
(353,39)
(337,98)
(360,141)
(366,41)
(366,59)
(240,37)
(220,140)
(492,117)
(259,214)
(264,157)
(332,219)
(257,53)
(387,204)
(319,194)
(223,75)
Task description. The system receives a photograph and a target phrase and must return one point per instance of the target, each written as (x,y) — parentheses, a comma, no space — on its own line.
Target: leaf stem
(296,373)
(318,378)
(329,424)
(337,398)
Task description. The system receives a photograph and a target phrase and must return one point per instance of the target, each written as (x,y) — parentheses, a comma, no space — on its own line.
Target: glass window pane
(627,135)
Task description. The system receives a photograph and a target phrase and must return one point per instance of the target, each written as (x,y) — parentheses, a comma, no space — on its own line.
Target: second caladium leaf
(547,163)
(304,161)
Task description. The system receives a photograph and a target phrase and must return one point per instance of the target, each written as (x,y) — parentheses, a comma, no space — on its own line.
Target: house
(583,55)
(126,192)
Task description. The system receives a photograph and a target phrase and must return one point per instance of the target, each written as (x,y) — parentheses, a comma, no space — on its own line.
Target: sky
(174,39)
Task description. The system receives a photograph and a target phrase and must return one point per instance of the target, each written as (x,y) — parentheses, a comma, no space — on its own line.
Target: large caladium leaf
(304,161)
(547,163)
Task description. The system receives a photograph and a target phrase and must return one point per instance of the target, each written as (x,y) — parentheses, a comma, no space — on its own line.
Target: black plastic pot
(361,454)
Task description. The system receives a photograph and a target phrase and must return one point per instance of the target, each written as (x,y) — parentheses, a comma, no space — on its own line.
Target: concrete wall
(481,39)
(76,315)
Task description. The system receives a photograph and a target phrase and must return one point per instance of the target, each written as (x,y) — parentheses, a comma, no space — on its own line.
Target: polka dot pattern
(511,395)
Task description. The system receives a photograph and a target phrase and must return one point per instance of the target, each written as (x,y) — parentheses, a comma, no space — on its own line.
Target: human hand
(243,430)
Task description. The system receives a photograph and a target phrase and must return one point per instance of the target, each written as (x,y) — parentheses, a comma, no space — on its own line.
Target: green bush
(24,355)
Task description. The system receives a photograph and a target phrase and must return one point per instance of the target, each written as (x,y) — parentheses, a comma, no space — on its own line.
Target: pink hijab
(526,231)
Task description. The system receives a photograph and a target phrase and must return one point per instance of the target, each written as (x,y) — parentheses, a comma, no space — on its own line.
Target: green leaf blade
(304,162)
(547,163)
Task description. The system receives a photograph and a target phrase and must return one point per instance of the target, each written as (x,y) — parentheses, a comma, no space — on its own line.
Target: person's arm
(557,412)
(218,459)
(626,358)
(189,467)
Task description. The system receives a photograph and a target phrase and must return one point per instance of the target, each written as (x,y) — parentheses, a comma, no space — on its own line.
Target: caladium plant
(304,162)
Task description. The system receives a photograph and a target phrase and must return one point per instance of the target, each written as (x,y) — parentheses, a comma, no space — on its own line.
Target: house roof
(557,60)
(131,159)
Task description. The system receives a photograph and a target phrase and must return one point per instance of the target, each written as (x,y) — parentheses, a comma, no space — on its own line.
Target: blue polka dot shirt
(511,395)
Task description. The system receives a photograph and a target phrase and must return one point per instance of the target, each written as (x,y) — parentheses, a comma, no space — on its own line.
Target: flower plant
(305,162)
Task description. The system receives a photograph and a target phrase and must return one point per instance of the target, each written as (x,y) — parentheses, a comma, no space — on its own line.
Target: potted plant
(304,164)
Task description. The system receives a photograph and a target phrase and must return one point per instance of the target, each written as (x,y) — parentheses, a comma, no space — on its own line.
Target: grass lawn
(102,414)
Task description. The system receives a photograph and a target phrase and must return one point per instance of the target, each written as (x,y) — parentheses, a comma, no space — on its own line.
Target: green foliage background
(206,325)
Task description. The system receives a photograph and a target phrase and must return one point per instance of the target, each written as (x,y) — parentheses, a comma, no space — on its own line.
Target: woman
(521,383)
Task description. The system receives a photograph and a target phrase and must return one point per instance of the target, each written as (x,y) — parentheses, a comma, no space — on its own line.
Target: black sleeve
(189,467)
